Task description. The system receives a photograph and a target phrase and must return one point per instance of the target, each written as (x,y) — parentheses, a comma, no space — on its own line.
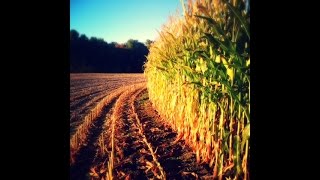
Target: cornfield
(198,79)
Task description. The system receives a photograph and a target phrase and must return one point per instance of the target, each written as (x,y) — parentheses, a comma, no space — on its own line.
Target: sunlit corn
(198,74)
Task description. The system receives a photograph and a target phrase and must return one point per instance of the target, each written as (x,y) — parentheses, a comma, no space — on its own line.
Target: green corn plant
(198,74)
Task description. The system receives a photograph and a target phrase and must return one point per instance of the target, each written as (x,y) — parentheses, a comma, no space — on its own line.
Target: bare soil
(144,146)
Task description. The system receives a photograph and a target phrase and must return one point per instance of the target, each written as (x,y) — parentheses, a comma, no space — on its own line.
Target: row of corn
(198,75)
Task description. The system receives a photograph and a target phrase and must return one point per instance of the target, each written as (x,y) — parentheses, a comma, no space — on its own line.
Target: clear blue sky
(120,20)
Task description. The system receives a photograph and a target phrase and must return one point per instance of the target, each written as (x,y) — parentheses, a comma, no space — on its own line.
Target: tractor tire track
(131,153)
(177,159)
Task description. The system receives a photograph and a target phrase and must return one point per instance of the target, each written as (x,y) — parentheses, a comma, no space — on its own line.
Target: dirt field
(115,132)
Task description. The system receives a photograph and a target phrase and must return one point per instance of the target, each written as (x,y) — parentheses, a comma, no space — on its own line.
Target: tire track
(115,159)
(134,157)
(177,159)
(131,152)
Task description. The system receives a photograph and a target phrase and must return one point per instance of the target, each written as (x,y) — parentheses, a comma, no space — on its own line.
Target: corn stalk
(198,74)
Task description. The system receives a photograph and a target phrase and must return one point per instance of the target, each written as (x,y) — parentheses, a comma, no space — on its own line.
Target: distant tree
(135,44)
(101,42)
(95,55)
(83,37)
(131,43)
(94,39)
(113,44)
(120,46)
(148,43)
(74,35)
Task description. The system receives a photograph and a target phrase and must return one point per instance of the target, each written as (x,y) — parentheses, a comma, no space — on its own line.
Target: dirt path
(178,160)
(128,140)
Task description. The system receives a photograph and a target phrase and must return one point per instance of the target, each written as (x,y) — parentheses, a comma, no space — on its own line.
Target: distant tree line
(96,55)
